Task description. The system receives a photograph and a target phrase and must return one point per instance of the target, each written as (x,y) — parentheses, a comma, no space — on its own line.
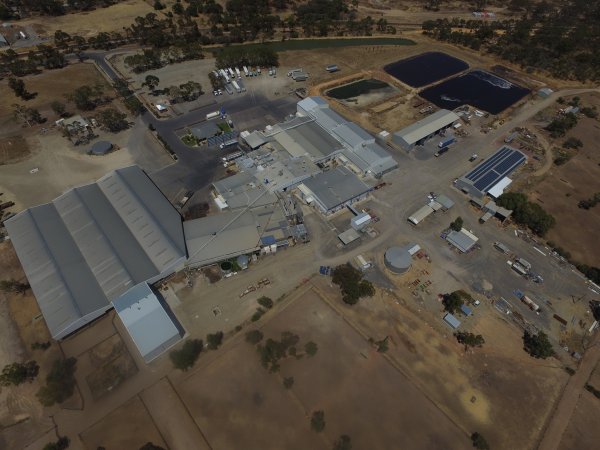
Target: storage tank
(398,259)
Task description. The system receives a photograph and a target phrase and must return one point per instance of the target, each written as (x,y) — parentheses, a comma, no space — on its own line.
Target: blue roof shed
(452,321)
(466,310)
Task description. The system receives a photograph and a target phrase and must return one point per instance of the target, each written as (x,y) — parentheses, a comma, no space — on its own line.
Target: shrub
(185,358)
(572,142)
(311,348)
(60,382)
(215,340)
(317,421)
(288,382)
(469,339)
(18,373)
(457,224)
(40,345)
(254,336)
(479,442)
(62,443)
(343,443)
(258,314)
(266,302)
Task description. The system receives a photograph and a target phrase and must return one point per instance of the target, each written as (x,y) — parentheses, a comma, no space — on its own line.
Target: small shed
(444,201)
(360,221)
(101,148)
(348,236)
(466,310)
(452,321)
(462,240)
(420,215)
(545,92)
(243,261)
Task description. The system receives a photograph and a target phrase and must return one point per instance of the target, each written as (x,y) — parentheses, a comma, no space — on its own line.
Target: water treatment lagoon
(362,92)
(426,68)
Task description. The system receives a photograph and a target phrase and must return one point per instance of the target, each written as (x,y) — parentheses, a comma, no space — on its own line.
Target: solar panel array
(496,167)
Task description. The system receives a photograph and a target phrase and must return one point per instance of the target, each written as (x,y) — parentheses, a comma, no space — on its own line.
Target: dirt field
(583,431)
(13,149)
(564,186)
(128,427)
(234,399)
(490,390)
(86,24)
(50,85)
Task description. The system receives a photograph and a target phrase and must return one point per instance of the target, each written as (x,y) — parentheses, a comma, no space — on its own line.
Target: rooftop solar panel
(486,181)
(500,164)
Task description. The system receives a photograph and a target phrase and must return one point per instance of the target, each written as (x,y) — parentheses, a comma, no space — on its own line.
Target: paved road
(573,390)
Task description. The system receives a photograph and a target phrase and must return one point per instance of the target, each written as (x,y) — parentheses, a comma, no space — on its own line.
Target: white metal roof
(429,125)
(150,326)
(499,187)
(420,215)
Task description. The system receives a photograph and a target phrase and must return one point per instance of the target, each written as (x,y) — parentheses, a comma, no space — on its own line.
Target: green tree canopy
(317,421)
(350,281)
(343,443)
(185,357)
(469,339)
(17,373)
(457,224)
(60,382)
(254,336)
(452,302)
(214,340)
(537,345)
(479,442)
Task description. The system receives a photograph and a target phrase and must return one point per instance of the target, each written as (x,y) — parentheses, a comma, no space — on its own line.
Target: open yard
(583,431)
(565,186)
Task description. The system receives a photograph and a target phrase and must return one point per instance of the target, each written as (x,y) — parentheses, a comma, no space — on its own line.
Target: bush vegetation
(343,443)
(452,302)
(537,345)
(469,339)
(527,213)
(62,443)
(457,224)
(18,373)
(317,421)
(60,382)
(265,302)
(479,442)
(254,336)
(214,341)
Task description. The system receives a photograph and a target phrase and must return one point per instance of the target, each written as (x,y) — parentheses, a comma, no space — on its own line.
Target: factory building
(421,131)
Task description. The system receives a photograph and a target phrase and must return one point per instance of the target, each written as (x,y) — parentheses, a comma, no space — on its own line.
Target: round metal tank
(242,261)
(397,259)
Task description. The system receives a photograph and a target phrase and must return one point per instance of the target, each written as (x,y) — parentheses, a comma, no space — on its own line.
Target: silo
(398,259)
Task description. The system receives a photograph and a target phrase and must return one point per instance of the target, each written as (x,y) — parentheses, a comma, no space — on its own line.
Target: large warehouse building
(419,132)
(95,244)
(491,173)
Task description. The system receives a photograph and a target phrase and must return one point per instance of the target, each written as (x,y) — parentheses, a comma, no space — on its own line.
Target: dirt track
(573,390)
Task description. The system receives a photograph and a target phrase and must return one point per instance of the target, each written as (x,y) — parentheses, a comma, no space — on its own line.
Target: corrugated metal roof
(93,243)
(451,320)
(150,326)
(352,135)
(420,215)
(461,240)
(336,187)
(429,125)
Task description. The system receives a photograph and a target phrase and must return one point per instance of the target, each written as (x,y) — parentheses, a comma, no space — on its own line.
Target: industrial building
(421,131)
(320,134)
(463,240)
(94,244)
(331,191)
(491,172)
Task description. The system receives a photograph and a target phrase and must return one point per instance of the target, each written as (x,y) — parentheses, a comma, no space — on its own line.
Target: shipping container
(446,142)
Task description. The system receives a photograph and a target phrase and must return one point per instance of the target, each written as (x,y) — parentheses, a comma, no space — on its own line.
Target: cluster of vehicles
(232,78)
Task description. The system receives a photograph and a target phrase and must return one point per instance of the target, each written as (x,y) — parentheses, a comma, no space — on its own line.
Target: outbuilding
(452,321)
(421,131)
(101,148)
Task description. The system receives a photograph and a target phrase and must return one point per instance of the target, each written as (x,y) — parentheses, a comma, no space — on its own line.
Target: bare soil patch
(112,365)
(565,186)
(583,431)
(127,427)
(13,149)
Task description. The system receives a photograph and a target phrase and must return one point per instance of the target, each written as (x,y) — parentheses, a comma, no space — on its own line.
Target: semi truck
(241,84)
(441,151)
(231,72)
(236,86)
(237,72)
(532,305)
(446,142)
(246,71)
(213,115)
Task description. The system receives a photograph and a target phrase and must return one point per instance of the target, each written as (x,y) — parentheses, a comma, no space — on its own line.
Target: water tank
(398,259)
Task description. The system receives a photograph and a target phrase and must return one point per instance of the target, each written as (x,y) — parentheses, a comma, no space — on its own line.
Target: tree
(62,443)
(35,116)
(311,348)
(317,421)
(479,442)
(190,90)
(469,339)
(18,87)
(60,382)
(215,340)
(382,345)
(350,281)
(185,358)
(457,224)
(59,108)
(134,105)
(343,443)
(17,373)
(151,81)
(265,302)
(254,336)
(288,382)
(537,345)
(113,120)
(86,97)
(452,302)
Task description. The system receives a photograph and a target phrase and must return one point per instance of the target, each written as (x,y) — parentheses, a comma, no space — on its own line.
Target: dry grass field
(90,23)
(13,149)
(234,399)
(49,85)
(566,185)
(127,427)
(583,431)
